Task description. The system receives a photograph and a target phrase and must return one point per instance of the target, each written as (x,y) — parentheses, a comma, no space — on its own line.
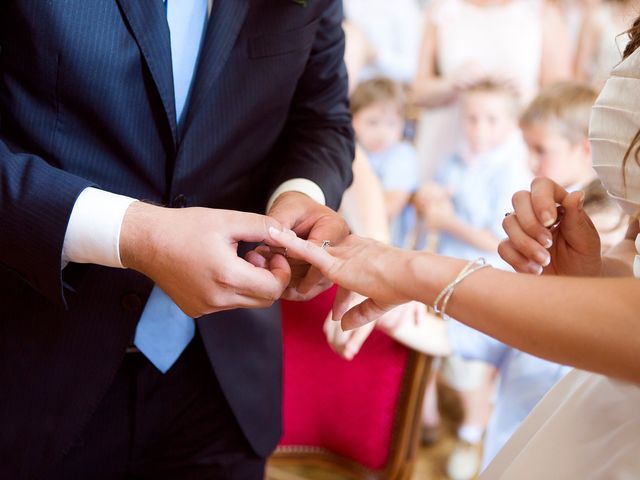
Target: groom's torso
(87,86)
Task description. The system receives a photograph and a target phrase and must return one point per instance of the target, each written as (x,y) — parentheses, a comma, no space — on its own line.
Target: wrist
(429,274)
(138,235)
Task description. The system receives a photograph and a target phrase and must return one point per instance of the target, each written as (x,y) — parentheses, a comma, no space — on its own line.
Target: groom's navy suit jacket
(86,99)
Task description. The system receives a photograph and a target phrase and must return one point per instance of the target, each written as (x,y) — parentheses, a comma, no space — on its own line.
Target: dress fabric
(503,39)
(588,426)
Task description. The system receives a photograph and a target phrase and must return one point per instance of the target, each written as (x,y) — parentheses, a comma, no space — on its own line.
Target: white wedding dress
(588,425)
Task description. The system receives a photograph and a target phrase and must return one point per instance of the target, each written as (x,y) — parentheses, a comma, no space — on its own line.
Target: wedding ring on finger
(560,215)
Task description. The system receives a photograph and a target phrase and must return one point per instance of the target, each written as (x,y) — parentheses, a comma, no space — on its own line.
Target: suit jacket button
(132,303)
(180,201)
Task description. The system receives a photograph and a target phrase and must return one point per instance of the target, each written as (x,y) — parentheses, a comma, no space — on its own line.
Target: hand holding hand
(191,254)
(314,222)
(357,264)
(347,344)
(572,249)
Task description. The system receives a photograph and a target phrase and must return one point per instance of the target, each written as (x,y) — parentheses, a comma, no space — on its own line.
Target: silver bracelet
(445,295)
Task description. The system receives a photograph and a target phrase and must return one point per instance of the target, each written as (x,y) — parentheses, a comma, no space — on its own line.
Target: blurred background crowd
(457,104)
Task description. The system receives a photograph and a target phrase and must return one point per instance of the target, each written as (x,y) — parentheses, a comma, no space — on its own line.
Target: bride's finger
(363,313)
(299,248)
(344,300)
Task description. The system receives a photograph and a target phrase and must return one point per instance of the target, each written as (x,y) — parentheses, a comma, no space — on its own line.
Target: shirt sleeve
(471,344)
(93,233)
(302,185)
(402,171)
(516,177)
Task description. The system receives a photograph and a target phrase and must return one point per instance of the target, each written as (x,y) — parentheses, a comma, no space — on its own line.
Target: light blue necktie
(164,331)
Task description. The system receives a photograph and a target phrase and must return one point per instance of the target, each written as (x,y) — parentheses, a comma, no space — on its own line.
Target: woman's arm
(590,323)
(363,204)
(430,89)
(589,33)
(556,61)
(357,54)
(395,201)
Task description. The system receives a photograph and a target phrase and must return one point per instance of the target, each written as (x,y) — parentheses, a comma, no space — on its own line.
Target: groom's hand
(191,254)
(311,221)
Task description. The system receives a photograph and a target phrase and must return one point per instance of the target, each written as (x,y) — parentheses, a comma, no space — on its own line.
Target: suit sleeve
(36,200)
(317,142)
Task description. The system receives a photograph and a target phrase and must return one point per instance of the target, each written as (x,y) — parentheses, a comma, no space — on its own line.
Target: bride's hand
(347,344)
(573,248)
(365,266)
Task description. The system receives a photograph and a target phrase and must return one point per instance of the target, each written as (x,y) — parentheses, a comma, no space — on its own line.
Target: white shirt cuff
(93,233)
(302,185)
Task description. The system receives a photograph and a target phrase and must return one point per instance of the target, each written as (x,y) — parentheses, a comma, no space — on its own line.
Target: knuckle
(519,196)
(506,222)
(538,181)
(223,278)
(503,248)
(527,224)
(213,301)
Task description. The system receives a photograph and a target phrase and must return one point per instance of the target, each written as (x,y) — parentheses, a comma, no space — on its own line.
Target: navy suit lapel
(148,23)
(227,16)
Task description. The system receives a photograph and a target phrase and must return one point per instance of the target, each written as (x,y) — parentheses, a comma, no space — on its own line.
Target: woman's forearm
(589,323)
(433,92)
(480,238)
(363,204)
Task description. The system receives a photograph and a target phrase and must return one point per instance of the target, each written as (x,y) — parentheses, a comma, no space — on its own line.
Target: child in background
(464,207)
(378,107)
(556,127)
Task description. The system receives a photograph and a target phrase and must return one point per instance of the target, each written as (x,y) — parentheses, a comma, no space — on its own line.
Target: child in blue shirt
(378,107)
(463,208)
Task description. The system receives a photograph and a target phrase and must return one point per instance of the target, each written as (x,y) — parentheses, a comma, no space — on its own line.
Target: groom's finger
(293,294)
(313,277)
(265,283)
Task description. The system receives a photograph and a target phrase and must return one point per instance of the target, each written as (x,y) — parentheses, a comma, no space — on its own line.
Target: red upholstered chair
(358,418)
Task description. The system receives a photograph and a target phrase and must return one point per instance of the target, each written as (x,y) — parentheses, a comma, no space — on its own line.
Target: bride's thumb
(363,313)
(576,225)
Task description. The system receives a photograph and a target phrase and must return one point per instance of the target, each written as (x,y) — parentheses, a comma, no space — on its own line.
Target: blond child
(555,127)
(378,107)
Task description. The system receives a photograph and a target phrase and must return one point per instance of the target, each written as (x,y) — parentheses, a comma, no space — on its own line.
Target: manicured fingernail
(274,232)
(535,268)
(547,219)
(545,240)
(543,258)
(581,201)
